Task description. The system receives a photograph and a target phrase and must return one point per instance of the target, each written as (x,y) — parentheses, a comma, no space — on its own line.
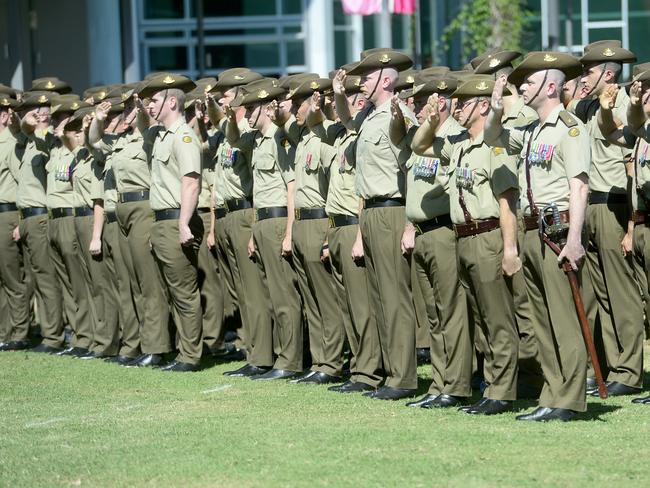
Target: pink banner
(361,7)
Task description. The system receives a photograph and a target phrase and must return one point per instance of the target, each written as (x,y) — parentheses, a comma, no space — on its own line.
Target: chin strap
(376,84)
(541,85)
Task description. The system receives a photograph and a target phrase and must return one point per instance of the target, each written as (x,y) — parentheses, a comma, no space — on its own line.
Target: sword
(556,229)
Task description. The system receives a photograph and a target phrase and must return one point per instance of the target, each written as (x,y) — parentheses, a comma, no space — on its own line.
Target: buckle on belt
(296,213)
(331,221)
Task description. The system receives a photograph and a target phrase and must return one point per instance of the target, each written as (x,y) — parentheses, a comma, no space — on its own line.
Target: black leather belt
(133,196)
(110,217)
(8,207)
(220,212)
(432,224)
(31,211)
(339,220)
(383,202)
(203,210)
(596,197)
(57,213)
(167,214)
(83,211)
(310,213)
(238,204)
(270,213)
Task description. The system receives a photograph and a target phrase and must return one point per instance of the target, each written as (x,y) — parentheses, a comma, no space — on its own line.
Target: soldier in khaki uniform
(617,133)
(517,114)
(434,252)
(89,225)
(617,308)
(177,230)
(234,178)
(14,333)
(380,184)
(483,191)
(31,201)
(556,158)
(270,243)
(342,207)
(317,286)
(129,153)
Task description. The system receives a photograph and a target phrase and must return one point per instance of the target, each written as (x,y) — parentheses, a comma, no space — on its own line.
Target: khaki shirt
(557,154)
(607,172)
(380,164)
(176,153)
(483,172)
(8,167)
(32,180)
(87,174)
(234,175)
(110,187)
(130,160)
(271,163)
(59,177)
(208,189)
(342,198)
(428,178)
(311,164)
(642,171)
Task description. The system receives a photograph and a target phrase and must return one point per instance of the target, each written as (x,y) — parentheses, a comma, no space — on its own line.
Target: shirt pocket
(264,162)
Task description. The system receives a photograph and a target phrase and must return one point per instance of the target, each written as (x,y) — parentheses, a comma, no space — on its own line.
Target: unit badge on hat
(384,58)
(494,62)
(42,99)
(5,102)
(74,106)
(442,85)
(262,94)
(410,79)
(608,52)
(168,80)
(482,86)
(314,86)
(549,59)
(208,87)
(49,85)
(125,96)
(238,77)
(101,95)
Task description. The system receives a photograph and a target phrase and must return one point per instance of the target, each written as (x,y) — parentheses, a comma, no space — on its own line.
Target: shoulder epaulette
(568,119)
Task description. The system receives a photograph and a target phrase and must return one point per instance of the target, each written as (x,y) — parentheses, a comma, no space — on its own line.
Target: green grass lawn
(67,422)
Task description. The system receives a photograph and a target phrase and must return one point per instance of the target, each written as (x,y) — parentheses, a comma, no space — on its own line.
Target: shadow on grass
(596,411)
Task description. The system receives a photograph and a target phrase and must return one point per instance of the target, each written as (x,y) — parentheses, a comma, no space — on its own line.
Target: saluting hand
(395,109)
(608,97)
(433,109)
(636,93)
(101,110)
(497,93)
(273,111)
(338,83)
(315,102)
(139,106)
(230,113)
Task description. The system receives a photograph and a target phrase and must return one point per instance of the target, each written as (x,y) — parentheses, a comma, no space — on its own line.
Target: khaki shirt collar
(174,127)
(553,116)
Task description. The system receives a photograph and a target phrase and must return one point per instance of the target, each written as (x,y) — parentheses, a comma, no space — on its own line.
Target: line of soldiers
(363,216)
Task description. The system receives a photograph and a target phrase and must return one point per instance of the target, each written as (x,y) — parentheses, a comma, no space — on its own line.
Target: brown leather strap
(529,191)
(532,223)
(475,227)
(461,197)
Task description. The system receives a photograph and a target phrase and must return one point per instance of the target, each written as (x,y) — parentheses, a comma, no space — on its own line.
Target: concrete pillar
(104,42)
(319,42)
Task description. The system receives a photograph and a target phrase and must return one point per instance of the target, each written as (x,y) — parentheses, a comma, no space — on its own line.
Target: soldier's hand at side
(338,83)
(15,234)
(286,246)
(497,93)
(635,93)
(95,247)
(573,252)
(325,253)
(210,240)
(185,234)
(627,243)
(408,240)
(101,110)
(511,263)
(608,97)
(251,248)
(357,249)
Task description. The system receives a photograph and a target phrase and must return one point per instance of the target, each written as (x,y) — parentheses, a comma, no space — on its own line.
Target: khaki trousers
(104,302)
(212,291)
(16,316)
(179,267)
(280,279)
(225,256)
(479,258)
(118,259)
(561,349)
(72,273)
(353,296)
(389,277)
(135,220)
(47,288)
(435,263)
(254,300)
(324,318)
(618,301)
